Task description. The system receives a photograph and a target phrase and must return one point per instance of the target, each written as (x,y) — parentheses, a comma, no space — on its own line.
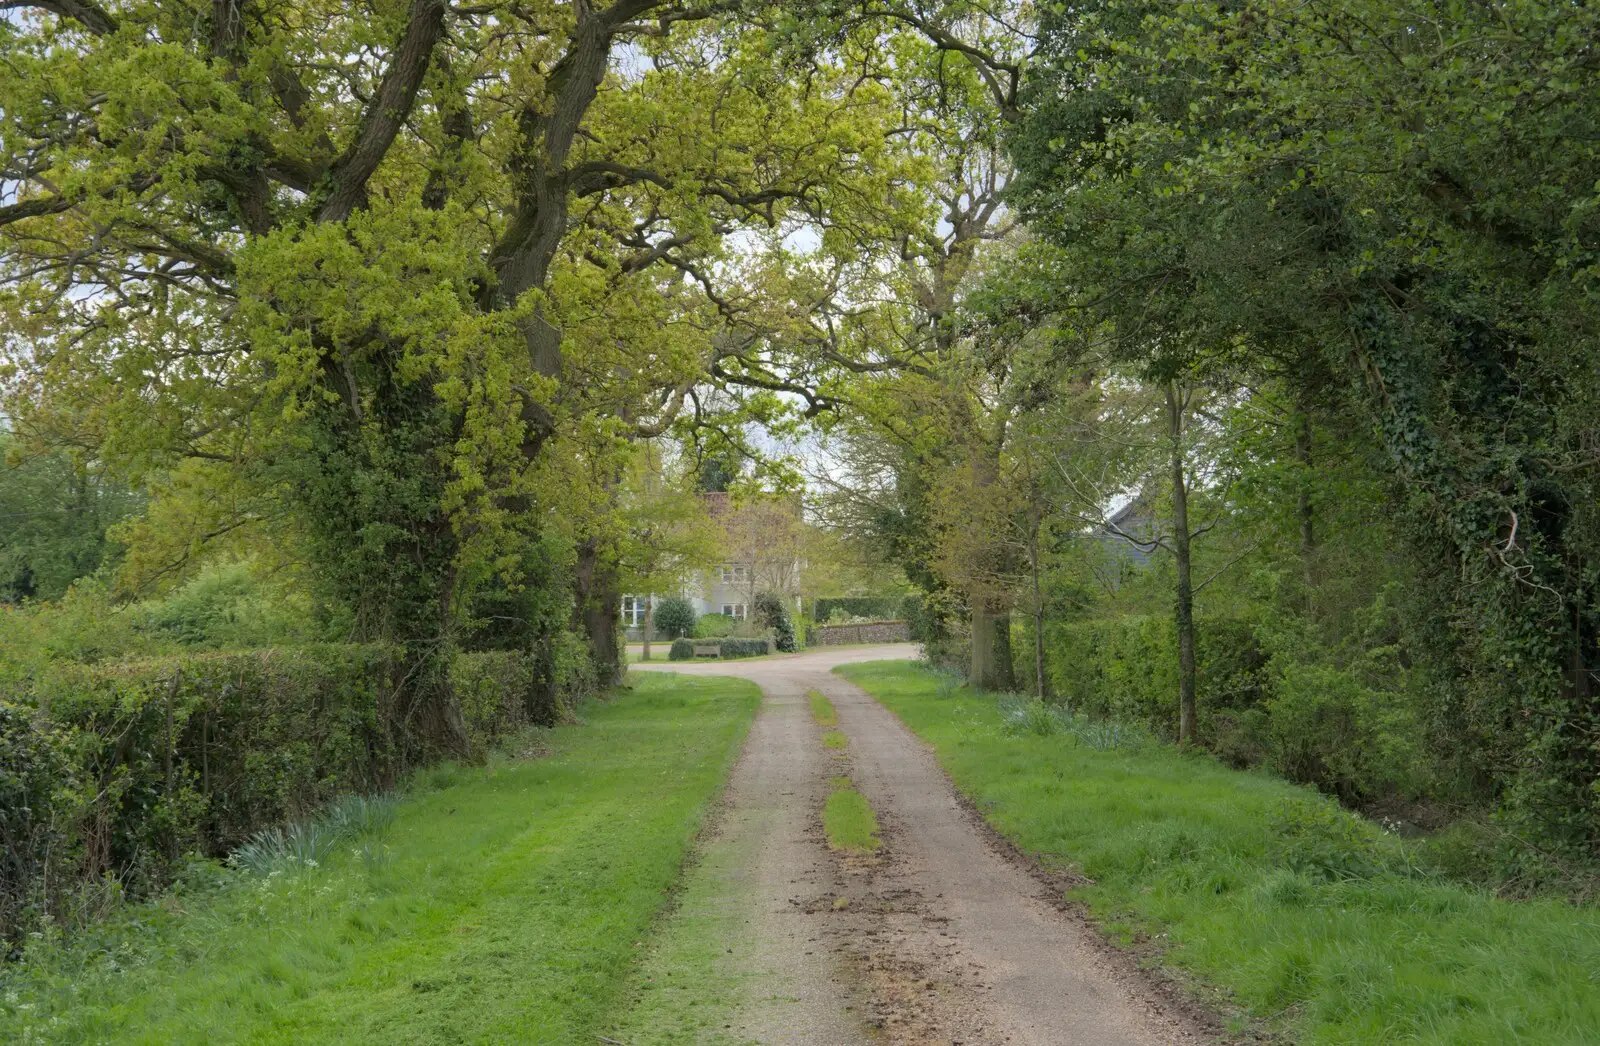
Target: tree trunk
(649,623)
(598,608)
(981,657)
(1184,610)
(991,647)
(1040,689)
(1306,511)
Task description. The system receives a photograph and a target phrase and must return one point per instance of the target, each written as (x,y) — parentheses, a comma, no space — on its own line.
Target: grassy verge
(504,905)
(822,709)
(1307,919)
(848,820)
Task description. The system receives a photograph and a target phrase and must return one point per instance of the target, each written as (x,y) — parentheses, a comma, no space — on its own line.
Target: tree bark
(991,647)
(1038,609)
(599,611)
(649,622)
(1184,609)
(1306,511)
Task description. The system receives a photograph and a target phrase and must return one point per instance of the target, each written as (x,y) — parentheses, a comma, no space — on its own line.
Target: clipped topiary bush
(675,617)
(682,650)
(771,613)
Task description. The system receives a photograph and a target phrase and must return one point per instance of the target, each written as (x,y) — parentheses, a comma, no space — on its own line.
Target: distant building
(762,551)
(1137,521)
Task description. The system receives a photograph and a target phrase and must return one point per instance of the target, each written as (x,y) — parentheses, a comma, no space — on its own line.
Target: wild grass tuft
(835,740)
(848,820)
(822,709)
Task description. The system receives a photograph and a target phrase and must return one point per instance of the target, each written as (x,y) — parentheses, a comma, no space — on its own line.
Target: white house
(761,542)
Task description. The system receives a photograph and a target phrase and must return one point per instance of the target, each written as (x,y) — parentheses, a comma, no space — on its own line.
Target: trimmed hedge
(733,647)
(682,650)
(123,769)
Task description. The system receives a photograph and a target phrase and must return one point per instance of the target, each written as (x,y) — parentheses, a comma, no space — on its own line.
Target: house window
(730,574)
(734,610)
(633,610)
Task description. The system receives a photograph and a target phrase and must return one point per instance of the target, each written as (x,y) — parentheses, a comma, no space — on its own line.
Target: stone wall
(871,632)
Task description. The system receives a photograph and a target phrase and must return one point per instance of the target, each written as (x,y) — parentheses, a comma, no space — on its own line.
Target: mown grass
(508,906)
(822,709)
(1305,919)
(848,820)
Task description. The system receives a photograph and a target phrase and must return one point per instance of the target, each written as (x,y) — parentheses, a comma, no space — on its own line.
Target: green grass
(848,820)
(1195,857)
(509,907)
(835,740)
(822,709)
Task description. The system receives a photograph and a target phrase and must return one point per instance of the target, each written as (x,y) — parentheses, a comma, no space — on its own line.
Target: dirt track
(942,938)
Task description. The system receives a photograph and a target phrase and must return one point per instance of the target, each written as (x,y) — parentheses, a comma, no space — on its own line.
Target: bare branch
(387,112)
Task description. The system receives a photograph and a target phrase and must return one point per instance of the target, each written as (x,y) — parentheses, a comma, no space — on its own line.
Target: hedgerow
(117,772)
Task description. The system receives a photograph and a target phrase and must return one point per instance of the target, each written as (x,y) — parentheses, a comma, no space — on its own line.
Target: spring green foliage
(873,608)
(409,314)
(1307,918)
(848,820)
(822,709)
(506,907)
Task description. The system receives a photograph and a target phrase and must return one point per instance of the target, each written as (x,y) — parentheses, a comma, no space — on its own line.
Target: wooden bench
(708,648)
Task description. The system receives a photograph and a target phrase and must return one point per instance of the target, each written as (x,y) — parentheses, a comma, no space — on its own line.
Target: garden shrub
(1266,697)
(919,622)
(674,617)
(714,626)
(227,605)
(682,650)
(771,613)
